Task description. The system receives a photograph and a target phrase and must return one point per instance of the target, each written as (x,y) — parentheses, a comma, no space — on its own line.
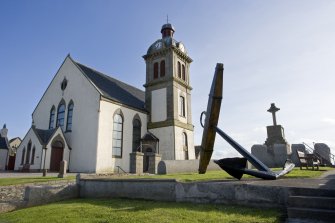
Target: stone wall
(197,192)
(17,196)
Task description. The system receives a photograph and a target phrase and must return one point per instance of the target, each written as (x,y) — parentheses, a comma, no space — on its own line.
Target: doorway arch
(57,150)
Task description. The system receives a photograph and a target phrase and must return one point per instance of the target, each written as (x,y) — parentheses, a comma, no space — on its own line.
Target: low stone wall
(36,195)
(18,196)
(197,192)
(183,166)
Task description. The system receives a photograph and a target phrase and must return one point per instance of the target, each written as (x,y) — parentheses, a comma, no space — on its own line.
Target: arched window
(23,154)
(155,70)
(33,156)
(182,106)
(52,118)
(179,69)
(136,134)
(117,136)
(183,72)
(162,68)
(69,117)
(61,115)
(28,152)
(185,146)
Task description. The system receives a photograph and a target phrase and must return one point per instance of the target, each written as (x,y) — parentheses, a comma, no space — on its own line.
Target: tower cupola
(167,30)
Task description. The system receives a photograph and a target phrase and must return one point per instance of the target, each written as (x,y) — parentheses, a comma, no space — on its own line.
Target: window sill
(117,157)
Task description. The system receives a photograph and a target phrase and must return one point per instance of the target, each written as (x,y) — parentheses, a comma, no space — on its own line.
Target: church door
(56,156)
(11,162)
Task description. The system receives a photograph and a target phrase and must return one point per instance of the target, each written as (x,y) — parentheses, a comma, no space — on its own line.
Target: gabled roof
(149,136)
(4,143)
(114,89)
(44,135)
(15,139)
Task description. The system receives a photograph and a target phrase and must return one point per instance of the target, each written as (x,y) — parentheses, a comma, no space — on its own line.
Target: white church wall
(83,137)
(106,163)
(179,147)
(30,136)
(3,158)
(166,141)
(158,101)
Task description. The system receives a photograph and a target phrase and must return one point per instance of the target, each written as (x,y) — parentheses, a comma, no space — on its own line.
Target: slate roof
(4,143)
(114,89)
(44,135)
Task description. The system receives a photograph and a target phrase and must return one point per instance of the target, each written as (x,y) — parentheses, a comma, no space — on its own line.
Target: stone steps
(316,205)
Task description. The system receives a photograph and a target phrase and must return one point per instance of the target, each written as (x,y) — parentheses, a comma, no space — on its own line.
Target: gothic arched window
(162,68)
(179,69)
(33,156)
(61,115)
(23,154)
(183,72)
(52,118)
(28,152)
(155,70)
(69,117)
(117,135)
(136,134)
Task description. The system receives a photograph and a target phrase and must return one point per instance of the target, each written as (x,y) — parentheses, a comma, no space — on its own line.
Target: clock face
(158,45)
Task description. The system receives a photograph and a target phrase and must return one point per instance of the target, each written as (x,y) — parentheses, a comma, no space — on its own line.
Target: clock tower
(168,96)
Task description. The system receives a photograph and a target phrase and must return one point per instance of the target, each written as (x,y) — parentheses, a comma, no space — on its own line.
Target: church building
(96,122)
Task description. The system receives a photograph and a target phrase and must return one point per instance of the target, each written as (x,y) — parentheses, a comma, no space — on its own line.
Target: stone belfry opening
(168,95)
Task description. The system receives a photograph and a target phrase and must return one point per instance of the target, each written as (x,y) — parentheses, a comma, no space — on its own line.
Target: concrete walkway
(8,174)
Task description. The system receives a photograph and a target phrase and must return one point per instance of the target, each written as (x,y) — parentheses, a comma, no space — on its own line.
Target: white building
(95,121)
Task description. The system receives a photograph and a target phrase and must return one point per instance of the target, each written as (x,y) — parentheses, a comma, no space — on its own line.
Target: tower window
(155,70)
(162,68)
(183,72)
(182,106)
(52,118)
(185,147)
(117,136)
(179,69)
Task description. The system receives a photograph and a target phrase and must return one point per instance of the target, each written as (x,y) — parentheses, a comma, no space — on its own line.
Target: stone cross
(273,109)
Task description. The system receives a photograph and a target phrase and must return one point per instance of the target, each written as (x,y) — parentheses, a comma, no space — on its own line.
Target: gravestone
(323,151)
(62,169)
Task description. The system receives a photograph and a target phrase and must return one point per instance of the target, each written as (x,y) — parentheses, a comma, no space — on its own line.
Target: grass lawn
(25,180)
(222,175)
(122,210)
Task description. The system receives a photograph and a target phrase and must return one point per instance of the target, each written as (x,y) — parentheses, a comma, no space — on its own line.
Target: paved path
(6,174)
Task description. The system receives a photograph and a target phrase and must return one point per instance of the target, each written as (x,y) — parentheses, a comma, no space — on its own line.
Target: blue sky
(273,51)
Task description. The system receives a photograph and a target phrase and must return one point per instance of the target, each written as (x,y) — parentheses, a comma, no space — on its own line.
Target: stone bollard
(136,162)
(62,169)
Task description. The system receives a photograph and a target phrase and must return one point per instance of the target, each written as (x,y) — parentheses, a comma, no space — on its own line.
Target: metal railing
(118,170)
(319,156)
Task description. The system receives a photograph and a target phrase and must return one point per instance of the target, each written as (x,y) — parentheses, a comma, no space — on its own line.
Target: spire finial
(167,18)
